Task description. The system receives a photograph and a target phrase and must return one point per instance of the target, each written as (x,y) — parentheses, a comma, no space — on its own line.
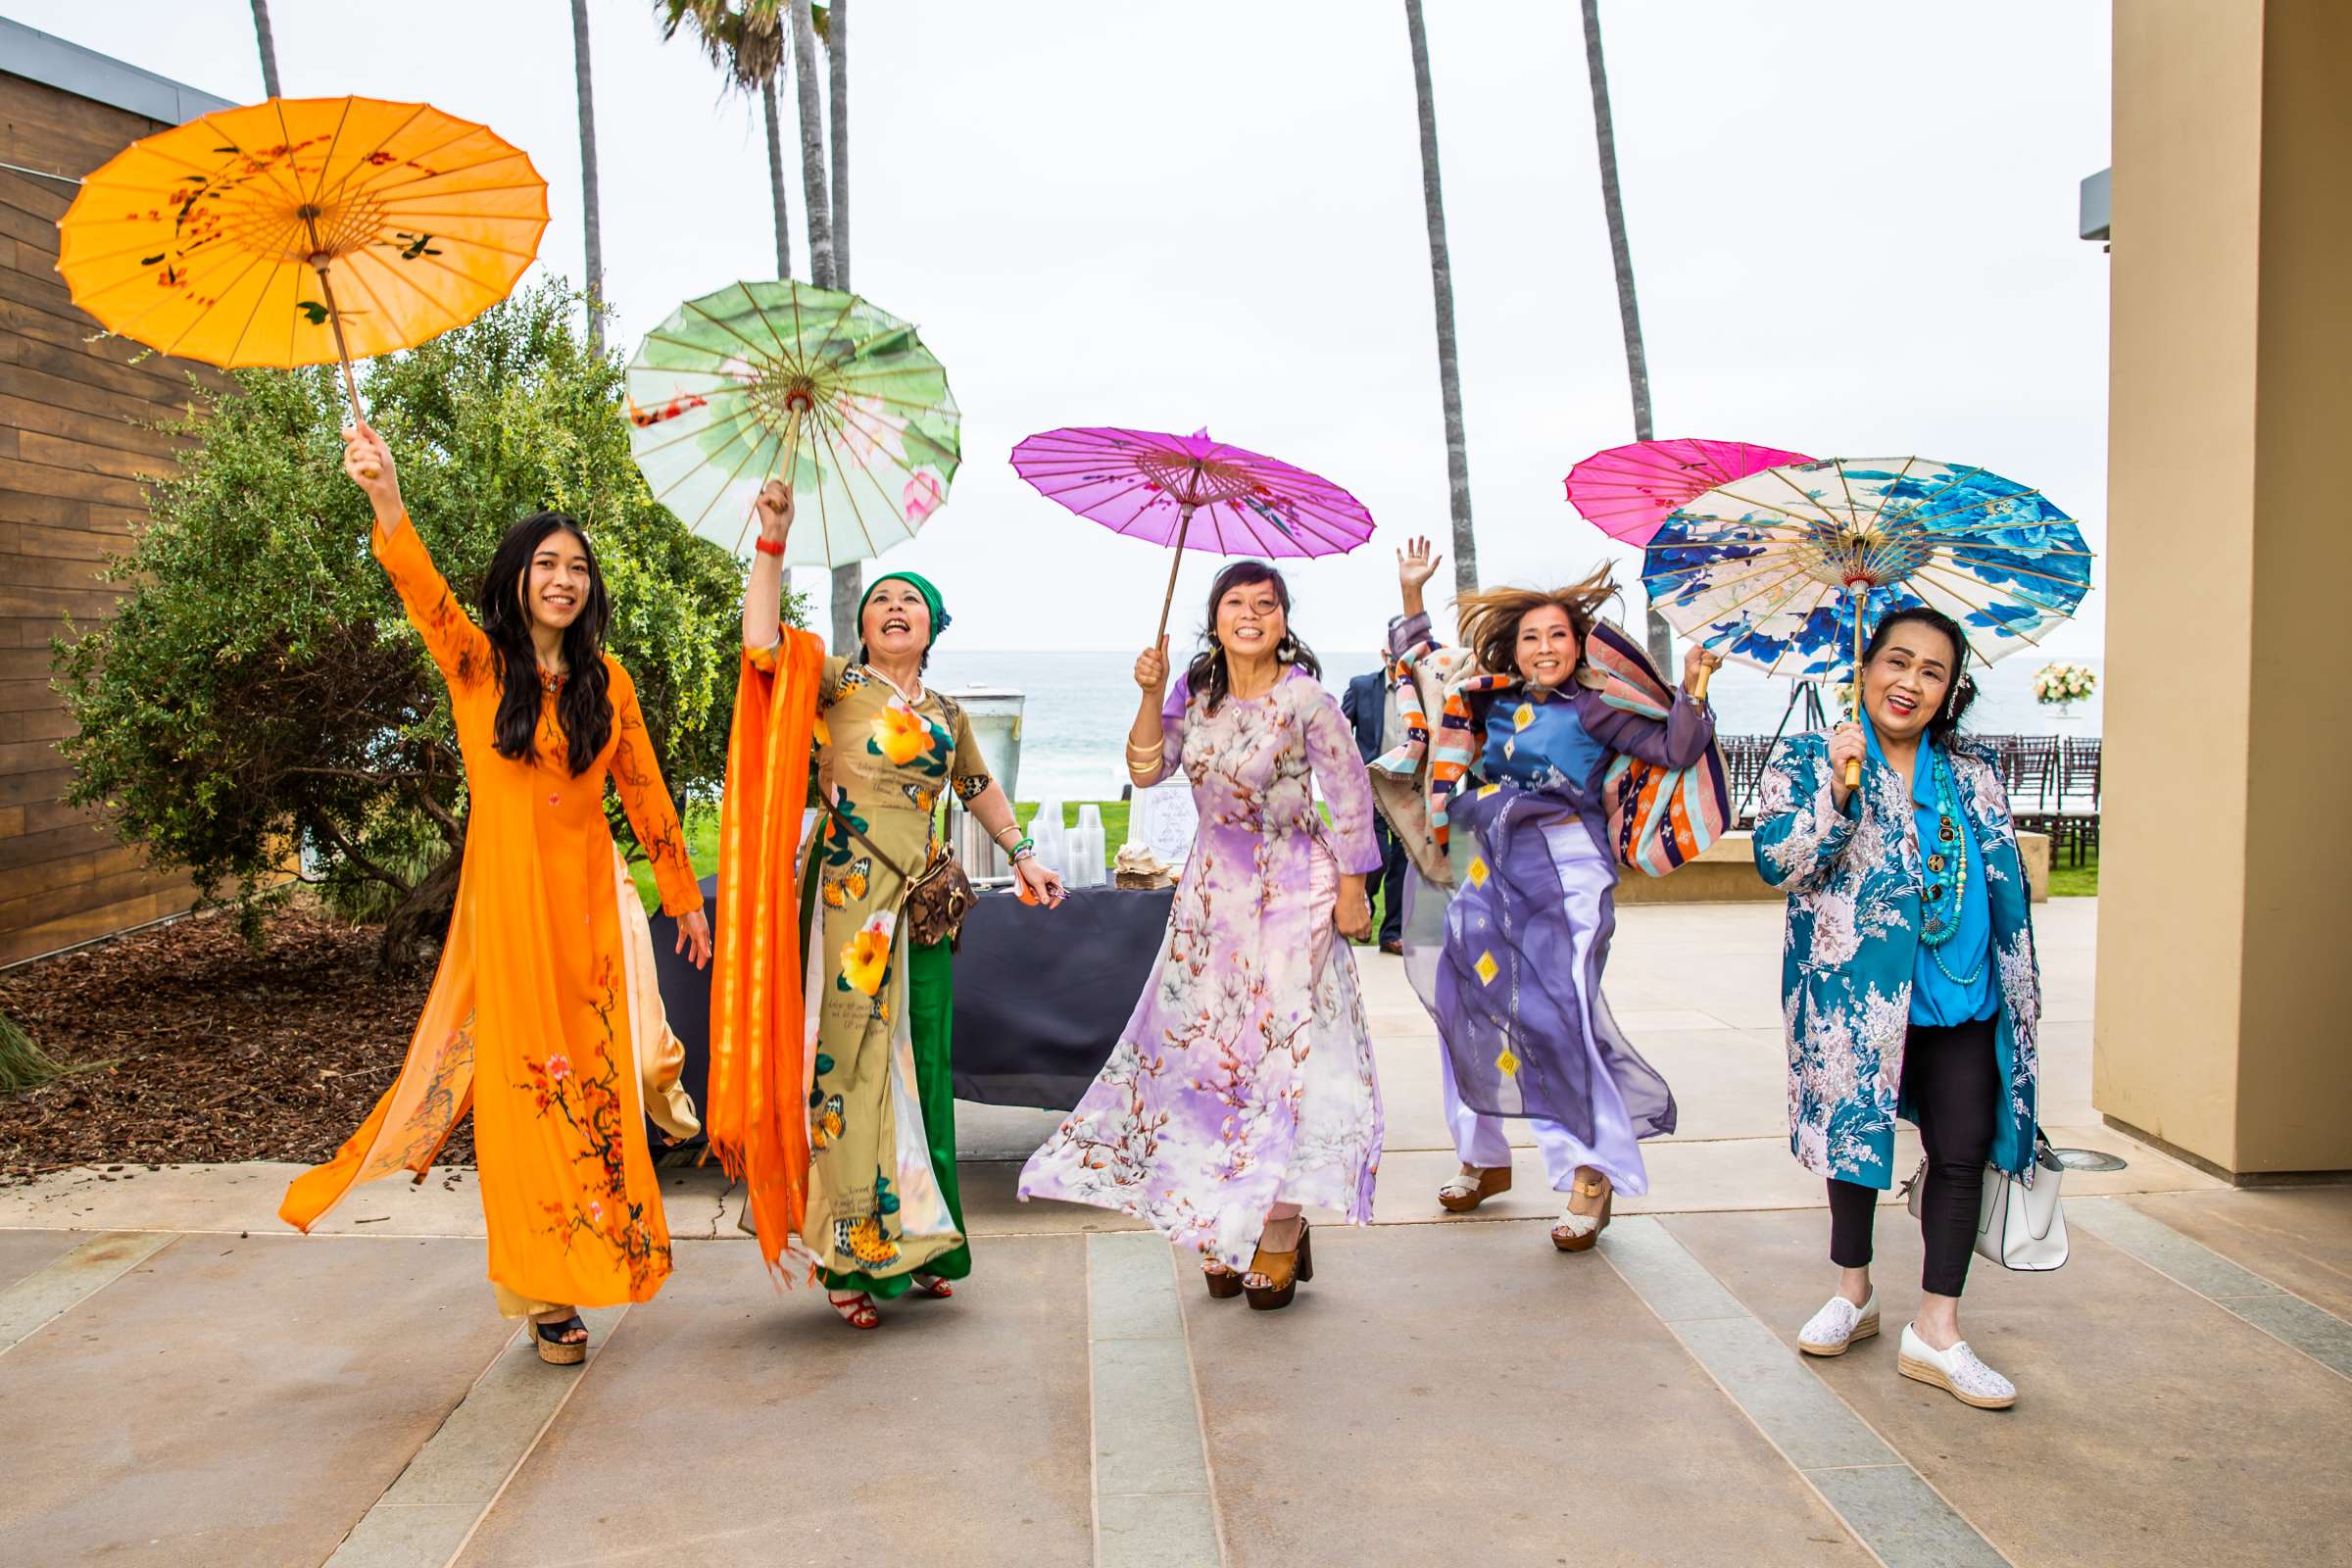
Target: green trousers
(930,1006)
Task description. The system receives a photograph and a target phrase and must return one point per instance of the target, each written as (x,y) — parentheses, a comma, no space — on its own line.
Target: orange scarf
(757,1107)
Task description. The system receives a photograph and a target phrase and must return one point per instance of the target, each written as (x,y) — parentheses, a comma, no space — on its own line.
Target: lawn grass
(2075,881)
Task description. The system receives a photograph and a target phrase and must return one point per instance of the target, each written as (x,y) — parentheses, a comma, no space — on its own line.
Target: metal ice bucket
(994,714)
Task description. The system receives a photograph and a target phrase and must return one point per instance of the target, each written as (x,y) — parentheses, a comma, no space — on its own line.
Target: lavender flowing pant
(1586,877)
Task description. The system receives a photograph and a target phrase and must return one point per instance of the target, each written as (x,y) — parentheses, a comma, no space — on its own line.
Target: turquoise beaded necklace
(1940,896)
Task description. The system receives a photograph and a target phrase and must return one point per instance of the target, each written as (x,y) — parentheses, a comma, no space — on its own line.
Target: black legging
(1952,1078)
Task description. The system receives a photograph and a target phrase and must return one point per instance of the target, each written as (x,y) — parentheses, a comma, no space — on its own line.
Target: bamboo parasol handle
(1183,525)
(350,387)
(1857,591)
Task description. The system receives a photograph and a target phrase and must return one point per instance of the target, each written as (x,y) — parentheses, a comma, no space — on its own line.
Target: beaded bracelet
(1023,851)
(767,547)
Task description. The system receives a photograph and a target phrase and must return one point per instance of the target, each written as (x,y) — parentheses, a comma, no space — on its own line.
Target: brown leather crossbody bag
(936,901)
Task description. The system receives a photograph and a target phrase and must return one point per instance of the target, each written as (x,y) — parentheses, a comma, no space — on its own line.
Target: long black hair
(584,706)
(1208,674)
(1962,694)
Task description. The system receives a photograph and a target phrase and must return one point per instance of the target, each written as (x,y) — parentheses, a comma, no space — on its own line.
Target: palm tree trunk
(1628,310)
(812,147)
(268,41)
(1441,277)
(592,220)
(849,581)
(775,179)
(837,54)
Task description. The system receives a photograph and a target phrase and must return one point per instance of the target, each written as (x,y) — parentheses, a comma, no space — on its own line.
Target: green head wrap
(921,585)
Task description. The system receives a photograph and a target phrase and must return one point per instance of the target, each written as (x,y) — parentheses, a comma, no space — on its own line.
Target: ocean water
(1078,706)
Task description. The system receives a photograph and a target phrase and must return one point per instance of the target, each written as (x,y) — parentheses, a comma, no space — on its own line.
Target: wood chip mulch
(218,1052)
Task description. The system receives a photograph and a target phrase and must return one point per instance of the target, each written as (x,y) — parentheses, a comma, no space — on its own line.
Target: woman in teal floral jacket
(1908,981)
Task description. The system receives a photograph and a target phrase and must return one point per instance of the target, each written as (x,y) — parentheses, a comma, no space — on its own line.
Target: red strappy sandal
(930,1285)
(858,1311)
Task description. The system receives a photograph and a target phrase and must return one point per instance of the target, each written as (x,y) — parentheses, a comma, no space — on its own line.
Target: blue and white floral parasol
(1789,567)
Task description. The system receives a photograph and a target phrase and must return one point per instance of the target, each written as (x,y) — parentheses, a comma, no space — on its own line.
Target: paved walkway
(185,1384)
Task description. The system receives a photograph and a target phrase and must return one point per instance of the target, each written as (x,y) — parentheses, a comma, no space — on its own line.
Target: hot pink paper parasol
(1628,491)
(1192,492)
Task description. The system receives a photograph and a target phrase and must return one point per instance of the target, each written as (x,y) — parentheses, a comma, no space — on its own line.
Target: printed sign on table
(1163,819)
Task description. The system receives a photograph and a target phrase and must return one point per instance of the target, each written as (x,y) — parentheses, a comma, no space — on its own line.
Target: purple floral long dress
(1245,1076)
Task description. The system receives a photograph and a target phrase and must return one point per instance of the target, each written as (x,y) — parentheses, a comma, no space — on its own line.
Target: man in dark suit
(1365,705)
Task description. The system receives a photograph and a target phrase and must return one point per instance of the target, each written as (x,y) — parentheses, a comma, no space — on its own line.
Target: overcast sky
(1853,224)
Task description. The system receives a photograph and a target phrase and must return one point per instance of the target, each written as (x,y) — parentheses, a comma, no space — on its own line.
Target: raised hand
(369,462)
(1697,663)
(774,508)
(1416,562)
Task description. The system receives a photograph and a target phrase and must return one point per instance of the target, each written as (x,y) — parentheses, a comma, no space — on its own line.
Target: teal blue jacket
(1853,943)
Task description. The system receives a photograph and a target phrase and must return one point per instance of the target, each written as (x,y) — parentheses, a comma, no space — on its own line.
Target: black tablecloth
(1040,994)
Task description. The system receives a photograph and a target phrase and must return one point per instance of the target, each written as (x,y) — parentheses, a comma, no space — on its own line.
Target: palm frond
(746,39)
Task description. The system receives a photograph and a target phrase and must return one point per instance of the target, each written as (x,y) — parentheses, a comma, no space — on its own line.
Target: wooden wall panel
(77,418)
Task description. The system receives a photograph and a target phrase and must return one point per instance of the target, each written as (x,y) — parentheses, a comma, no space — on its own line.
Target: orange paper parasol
(225,239)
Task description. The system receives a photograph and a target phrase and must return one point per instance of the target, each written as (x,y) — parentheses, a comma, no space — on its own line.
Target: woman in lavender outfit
(1242,1088)
(1514,791)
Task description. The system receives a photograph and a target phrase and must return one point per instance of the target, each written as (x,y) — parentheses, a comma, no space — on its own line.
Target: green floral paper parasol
(787,380)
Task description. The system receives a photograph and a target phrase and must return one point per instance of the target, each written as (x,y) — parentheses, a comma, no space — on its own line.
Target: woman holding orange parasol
(540,1016)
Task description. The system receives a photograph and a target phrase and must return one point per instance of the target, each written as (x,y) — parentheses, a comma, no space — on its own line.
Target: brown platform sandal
(1224,1284)
(1287,1270)
(554,1348)
(1467,1191)
(1566,1240)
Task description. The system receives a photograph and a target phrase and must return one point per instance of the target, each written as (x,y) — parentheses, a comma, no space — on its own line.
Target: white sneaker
(1957,1372)
(1838,1325)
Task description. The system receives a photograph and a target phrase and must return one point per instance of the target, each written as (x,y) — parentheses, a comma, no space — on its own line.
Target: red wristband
(767,547)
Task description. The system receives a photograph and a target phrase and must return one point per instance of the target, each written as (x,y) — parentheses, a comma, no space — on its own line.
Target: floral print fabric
(875,1205)
(530,1017)
(1852,943)
(1245,1076)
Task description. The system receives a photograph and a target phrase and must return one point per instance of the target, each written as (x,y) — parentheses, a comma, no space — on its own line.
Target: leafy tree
(260,688)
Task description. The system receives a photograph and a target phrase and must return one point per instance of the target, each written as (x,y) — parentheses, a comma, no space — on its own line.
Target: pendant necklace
(1940,899)
(911,702)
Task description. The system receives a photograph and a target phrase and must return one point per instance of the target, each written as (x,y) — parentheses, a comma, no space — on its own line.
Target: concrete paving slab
(2299,1237)
(81,1269)
(244,1197)
(2289,1318)
(1903,1519)
(992,1207)
(24,1252)
(1165,1530)
(1727,1083)
(238,1401)
(1001,1131)
(731,1423)
(427,1514)
(1645,1022)
(2152,1425)
(1446,1394)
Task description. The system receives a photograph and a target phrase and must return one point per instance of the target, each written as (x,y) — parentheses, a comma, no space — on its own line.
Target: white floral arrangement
(2059,684)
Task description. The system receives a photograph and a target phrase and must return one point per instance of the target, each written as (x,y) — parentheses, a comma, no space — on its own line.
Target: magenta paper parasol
(1628,491)
(1192,492)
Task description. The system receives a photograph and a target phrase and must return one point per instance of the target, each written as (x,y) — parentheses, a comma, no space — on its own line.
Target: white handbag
(2018,1226)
